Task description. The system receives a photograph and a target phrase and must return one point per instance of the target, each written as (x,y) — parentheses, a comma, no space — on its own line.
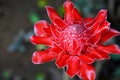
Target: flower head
(74,42)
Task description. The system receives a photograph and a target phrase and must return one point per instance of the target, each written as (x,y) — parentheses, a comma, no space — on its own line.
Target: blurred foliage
(115,57)
(61,10)
(41,47)
(40,76)
(18,43)
(42,3)
(89,7)
(117,71)
(6,75)
(34,17)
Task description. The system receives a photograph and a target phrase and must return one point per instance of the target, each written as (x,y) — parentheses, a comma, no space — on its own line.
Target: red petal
(76,14)
(73,65)
(56,49)
(52,13)
(48,31)
(95,39)
(60,23)
(103,54)
(87,72)
(75,44)
(68,6)
(39,28)
(88,22)
(94,28)
(100,55)
(54,30)
(76,48)
(86,59)
(101,16)
(40,57)
(62,59)
(104,27)
(41,40)
(110,48)
(108,35)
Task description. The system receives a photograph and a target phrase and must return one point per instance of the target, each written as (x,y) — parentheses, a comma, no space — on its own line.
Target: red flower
(74,42)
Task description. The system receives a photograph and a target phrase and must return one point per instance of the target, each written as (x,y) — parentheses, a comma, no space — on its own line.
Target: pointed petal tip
(68,7)
(36,58)
(101,16)
(109,35)
(48,7)
(67,2)
(71,76)
(103,10)
(52,13)
(59,66)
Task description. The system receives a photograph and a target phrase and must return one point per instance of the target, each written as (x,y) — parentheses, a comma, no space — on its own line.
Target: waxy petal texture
(108,35)
(62,60)
(76,14)
(86,59)
(39,28)
(74,42)
(68,6)
(52,13)
(110,48)
(102,16)
(87,72)
(73,66)
(40,57)
(41,40)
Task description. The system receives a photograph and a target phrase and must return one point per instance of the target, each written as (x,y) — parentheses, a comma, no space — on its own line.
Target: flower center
(72,39)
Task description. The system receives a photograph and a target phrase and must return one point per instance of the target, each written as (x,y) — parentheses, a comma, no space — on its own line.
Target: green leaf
(40,47)
(5,74)
(61,10)
(40,76)
(115,57)
(33,17)
(42,3)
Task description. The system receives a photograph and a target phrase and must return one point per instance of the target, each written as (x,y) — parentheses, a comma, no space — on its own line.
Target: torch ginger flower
(74,42)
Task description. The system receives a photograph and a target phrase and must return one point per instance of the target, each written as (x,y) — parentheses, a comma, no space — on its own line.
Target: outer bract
(74,42)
